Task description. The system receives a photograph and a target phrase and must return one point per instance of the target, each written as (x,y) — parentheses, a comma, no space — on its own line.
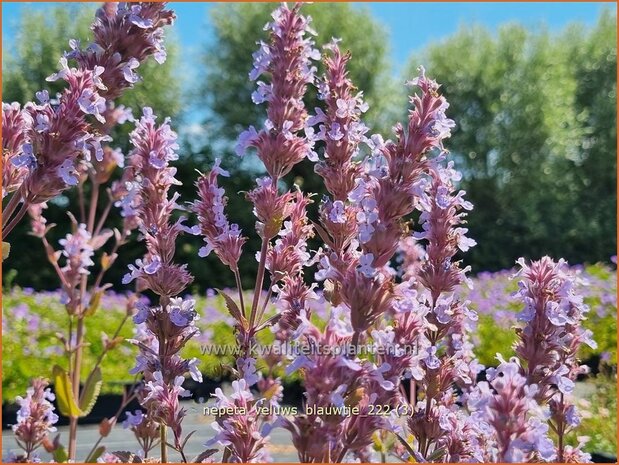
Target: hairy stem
(92,207)
(77,364)
(10,207)
(259,281)
(239,287)
(16,219)
(164,446)
(102,218)
(560,434)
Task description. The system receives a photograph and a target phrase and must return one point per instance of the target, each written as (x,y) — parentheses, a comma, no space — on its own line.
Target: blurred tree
(32,55)
(535,138)
(227,61)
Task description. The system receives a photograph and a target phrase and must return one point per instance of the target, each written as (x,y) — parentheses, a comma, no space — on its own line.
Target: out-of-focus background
(532,88)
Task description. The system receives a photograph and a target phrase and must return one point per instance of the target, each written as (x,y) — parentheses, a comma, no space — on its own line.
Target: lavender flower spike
(35,418)
(287,58)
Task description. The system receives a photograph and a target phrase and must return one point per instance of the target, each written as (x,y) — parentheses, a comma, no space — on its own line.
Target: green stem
(237,277)
(259,281)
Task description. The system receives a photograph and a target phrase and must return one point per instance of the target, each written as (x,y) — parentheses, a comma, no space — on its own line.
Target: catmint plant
(283,142)
(59,143)
(392,369)
(549,341)
(52,141)
(170,324)
(35,420)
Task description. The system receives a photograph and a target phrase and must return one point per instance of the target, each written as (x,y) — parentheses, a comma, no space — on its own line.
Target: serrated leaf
(413,453)
(64,393)
(204,455)
(60,454)
(127,457)
(323,235)
(93,305)
(91,391)
(6,250)
(233,308)
(98,452)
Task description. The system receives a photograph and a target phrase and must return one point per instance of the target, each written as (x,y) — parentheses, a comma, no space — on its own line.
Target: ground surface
(280,448)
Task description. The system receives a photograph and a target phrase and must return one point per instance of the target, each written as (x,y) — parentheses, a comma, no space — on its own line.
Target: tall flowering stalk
(35,420)
(328,437)
(50,139)
(507,418)
(60,143)
(411,174)
(548,343)
(171,323)
(282,142)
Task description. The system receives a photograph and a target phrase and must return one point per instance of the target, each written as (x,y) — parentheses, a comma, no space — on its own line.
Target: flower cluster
(35,418)
(239,431)
(154,148)
(15,121)
(220,236)
(549,341)
(171,324)
(287,58)
(49,143)
(508,417)
(125,35)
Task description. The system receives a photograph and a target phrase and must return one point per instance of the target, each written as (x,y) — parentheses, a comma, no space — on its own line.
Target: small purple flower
(92,104)
(153,266)
(133,419)
(335,132)
(194,371)
(346,108)
(337,213)
(42,123)
(246,139)
(42,96)
(571,416)
(142,313)
(365,265)
(182,312)
(431,360)
(26,159)
(135,18)
(247,368)
(128,73)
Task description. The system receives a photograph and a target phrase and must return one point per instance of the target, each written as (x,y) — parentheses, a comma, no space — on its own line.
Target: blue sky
(411,25)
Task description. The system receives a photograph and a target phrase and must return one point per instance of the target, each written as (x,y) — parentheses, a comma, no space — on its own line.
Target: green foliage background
(536,138)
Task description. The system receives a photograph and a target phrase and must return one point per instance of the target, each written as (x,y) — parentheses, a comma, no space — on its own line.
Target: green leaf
(64,393)
(60,454)
(91,391)
(93,305)
(98,452)
(407,446)
(6,249)
(233,308)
